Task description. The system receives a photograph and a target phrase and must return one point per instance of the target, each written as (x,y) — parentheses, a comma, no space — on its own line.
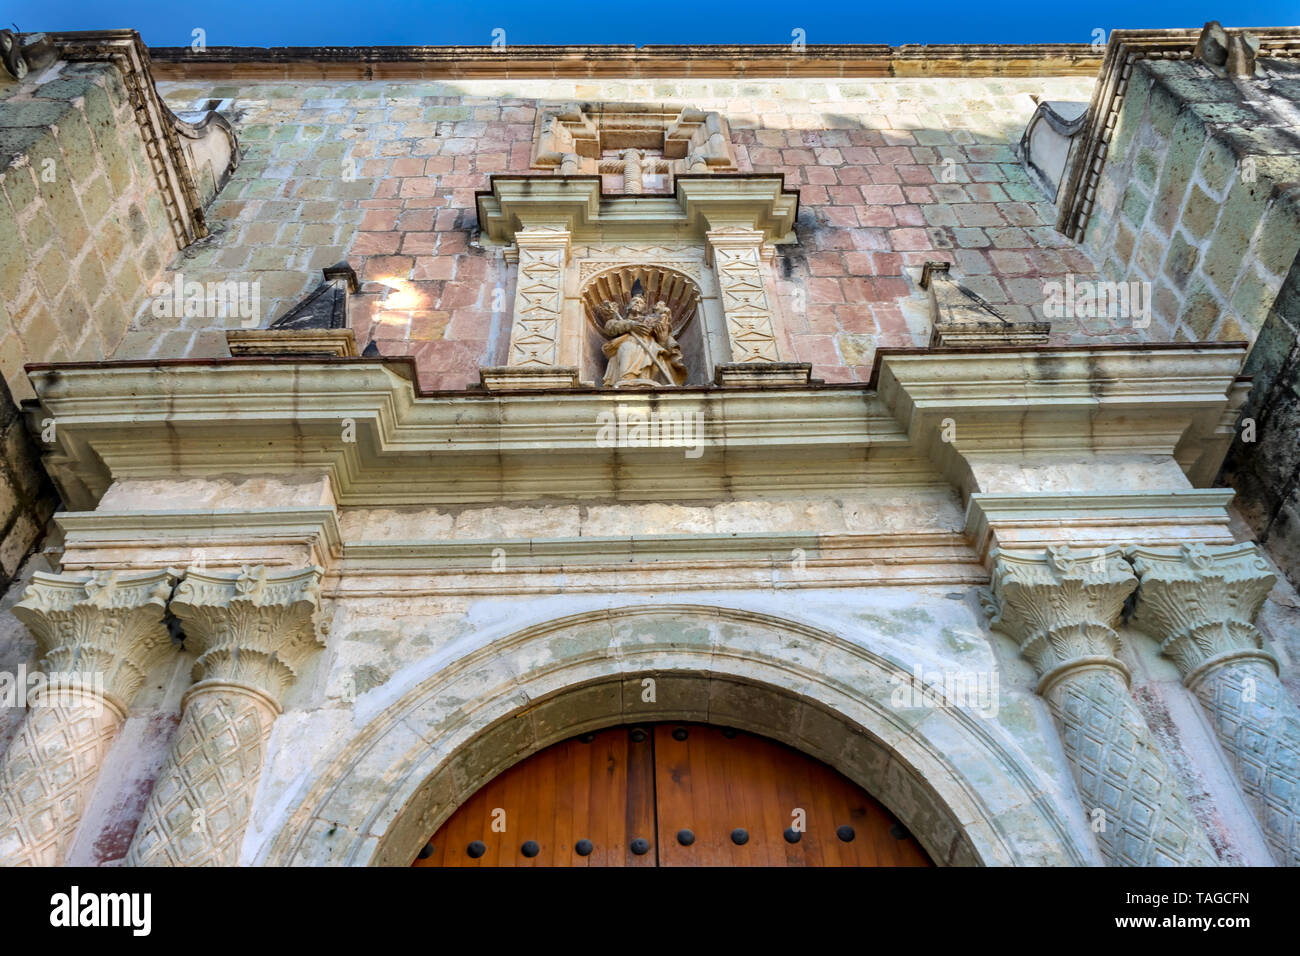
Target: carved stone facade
(252,631)
(1200,603)
(1062,608)
(750,393)
(98,636)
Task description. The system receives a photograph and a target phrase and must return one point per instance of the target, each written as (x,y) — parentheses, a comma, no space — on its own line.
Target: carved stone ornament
(640,345)
(1061,607)
(98,636)
(960,317)
(253,630)
(1200,603)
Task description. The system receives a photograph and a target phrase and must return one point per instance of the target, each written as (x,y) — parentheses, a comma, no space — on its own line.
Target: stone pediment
(698,204)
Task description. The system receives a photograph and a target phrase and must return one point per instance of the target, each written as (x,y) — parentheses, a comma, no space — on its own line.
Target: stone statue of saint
(641,348)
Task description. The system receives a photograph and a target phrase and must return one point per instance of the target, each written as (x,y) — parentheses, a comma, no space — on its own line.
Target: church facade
(378,420)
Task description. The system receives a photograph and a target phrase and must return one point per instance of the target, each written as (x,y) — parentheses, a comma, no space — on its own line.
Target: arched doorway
(671,794)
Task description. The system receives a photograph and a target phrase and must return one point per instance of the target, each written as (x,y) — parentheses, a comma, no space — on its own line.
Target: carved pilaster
(1200,602)
(1061,607)
(98,636)
(737,259)
(539,297)
(253,631)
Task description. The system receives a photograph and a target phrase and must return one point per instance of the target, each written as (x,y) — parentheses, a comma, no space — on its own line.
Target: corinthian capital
(1200,602)
(254,628)
(104,626)
(1060,605)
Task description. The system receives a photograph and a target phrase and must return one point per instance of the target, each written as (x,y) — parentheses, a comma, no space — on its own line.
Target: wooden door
(671,795)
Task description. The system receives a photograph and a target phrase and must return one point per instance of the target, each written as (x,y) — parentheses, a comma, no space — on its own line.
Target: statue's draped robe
(637,356)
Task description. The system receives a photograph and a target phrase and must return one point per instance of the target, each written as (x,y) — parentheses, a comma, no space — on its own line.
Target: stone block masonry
(890,173)
(1198,196)
(83,231)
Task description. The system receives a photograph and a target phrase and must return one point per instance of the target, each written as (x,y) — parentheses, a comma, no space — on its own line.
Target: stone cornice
(254,628)
(1061,606)
(99,627)
(1162,401)
(577,205)
(174,419)
(1125,47)
(1201,602)
(270,536)
(1044,519)
(625,62)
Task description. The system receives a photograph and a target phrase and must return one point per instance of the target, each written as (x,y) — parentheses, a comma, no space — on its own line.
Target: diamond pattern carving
(744,299)
(1120,770)
(1061,606)
(253,631)
(48,774)
(98,636)
(1200,603)
(199,809)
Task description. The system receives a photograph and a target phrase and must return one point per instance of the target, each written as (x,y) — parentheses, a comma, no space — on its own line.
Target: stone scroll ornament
(1061,607)
(253,631)
(1200,602)
(98,636)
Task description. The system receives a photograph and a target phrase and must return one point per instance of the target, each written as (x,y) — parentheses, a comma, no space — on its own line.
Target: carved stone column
(1061,607)
(1200,602)
(539,297)
(252,630)
(98,637)
(737,259)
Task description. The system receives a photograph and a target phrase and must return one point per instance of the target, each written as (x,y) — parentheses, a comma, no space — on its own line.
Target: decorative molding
(696,205)
(1200,603)
(1061,607)
(98,636)
(763,374)
(1124,48)
(527,378)
(615,61)
(117,421)
(175,148)
(252,630)
(225,538)
(1046,518)
(572,139)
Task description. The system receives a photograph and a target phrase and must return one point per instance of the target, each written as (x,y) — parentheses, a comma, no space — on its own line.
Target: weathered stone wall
(890,173)
(1265,470)
(1198,196)
(83,230)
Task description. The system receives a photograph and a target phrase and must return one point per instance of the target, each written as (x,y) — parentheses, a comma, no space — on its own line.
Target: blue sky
(270,23)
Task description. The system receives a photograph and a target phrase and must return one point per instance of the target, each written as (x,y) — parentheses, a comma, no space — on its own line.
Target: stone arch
(968,795)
